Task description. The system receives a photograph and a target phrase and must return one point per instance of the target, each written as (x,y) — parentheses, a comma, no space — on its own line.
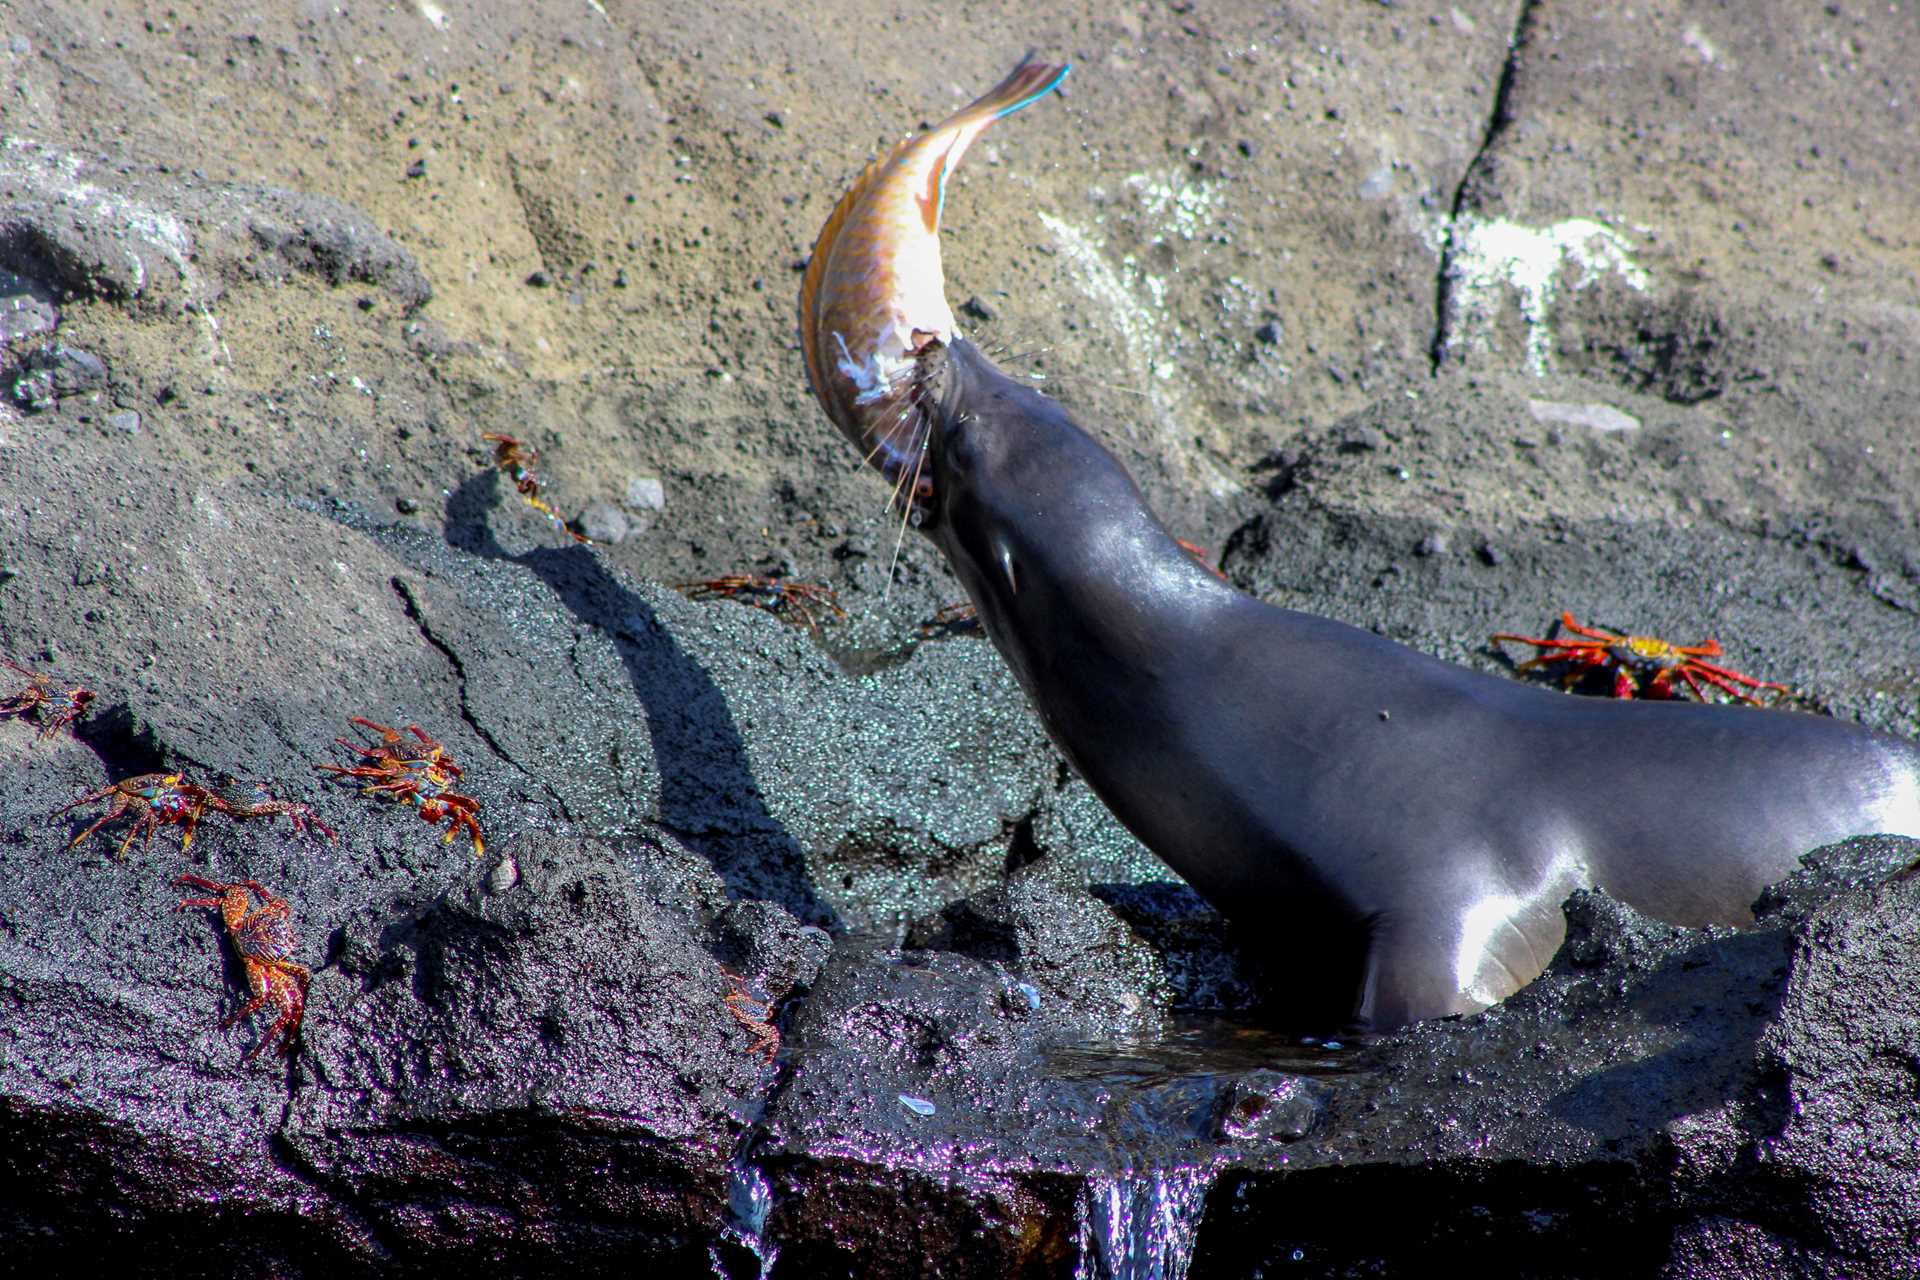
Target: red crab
(1199,553)
(224,800)
(752,1013)
(41,696)
(421,773)
(155,800)
(958,618)
(514,459)
(778,596)
(264,939)
(1642,665)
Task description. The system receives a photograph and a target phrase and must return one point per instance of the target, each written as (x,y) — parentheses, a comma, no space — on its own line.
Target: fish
(873,300)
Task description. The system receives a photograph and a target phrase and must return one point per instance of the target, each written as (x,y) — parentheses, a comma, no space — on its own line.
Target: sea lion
(1411,822)
(1404,827)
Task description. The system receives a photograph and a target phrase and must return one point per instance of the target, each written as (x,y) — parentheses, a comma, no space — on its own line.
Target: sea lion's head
(1038,519)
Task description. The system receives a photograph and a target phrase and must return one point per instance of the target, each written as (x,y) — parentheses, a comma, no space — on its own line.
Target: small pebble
(418,169)
(126,421)
(1363,440)
(75,370)
(919,1106)
(1434,544)
(503,876)
(603,522)
(1603,418)
(646,493)
(406,506)
(538,279)
(1268,333)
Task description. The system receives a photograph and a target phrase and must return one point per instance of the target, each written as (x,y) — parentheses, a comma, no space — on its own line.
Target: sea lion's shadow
(709,798)
(1718,991)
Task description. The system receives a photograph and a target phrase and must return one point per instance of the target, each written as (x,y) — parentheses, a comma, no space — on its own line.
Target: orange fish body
(874,295)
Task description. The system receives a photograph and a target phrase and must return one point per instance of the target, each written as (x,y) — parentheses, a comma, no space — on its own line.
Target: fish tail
(1026,84)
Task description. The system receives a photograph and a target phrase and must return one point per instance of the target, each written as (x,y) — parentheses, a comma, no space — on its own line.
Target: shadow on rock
(709,797)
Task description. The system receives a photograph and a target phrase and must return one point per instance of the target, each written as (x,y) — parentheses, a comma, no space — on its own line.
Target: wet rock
(1844,1055)
(770,947)
(1207,963)
(574,994)
(1269,1106)
(1075,950)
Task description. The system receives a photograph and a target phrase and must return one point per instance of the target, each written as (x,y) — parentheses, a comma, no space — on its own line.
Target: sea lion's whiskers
(906,518)
(1027,353)
(1069,378)
(1006,354)
(883,439)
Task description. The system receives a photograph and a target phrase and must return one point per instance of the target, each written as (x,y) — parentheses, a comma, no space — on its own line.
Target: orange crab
(514,459)
(778,596)
(155,799)
(421,773)
(40,698)
(264,939)
(1642,665)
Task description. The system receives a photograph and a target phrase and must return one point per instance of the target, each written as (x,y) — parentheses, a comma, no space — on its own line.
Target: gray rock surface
(1364,295)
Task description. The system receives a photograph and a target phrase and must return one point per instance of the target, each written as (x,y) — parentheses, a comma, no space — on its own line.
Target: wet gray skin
(1400,831)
